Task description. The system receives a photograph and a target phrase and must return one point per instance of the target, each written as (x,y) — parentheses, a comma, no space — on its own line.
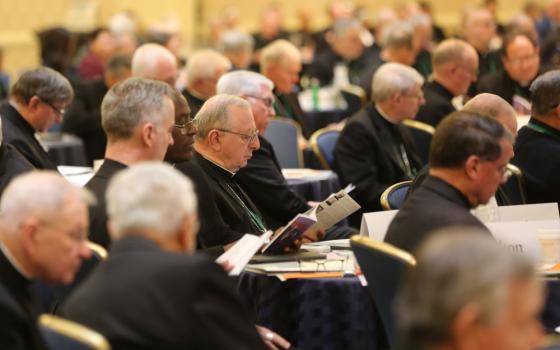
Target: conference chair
(382,265)
(61,334)
(422,135)
(51,296)
(355,98)
(514,188)
(394,196)
(322,143)
(283,134)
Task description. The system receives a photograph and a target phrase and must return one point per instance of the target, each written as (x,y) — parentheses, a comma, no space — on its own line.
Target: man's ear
(471,166)
(214,140)
(464,328)
(28,231)
(147,134)
(33,102)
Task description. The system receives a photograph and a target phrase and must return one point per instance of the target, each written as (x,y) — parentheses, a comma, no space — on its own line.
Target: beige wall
(19,19)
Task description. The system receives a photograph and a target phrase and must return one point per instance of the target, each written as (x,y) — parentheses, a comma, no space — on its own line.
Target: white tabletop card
(375,225)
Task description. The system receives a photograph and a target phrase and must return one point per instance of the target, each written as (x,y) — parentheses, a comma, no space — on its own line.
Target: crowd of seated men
(187,170)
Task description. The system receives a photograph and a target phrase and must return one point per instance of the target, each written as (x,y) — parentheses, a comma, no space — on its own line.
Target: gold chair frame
(384,199)
(75,331)
(317,150)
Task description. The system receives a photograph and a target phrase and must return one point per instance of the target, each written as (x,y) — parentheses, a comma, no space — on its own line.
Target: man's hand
(310,236)
(272,340)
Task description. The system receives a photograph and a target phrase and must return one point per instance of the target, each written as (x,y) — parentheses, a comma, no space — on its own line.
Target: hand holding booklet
(330,211)
(239,255)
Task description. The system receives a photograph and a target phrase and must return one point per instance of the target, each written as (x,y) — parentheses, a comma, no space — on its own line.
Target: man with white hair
(173,299)
(374,150)
(225,141)
(238,47)
(138,118)
(204,68)
(154,61)
(43,237)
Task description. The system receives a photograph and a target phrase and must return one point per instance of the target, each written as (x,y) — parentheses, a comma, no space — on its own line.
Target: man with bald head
(43,220)
(154,61)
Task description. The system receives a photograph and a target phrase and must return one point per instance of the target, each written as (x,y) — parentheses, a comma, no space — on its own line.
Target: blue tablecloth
(315,188)
(64,149)
(314,314)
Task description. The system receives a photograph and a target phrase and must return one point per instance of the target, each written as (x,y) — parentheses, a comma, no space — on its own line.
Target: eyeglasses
(244,137)
(521,60)
(59,111)
(184,127)
(267,101)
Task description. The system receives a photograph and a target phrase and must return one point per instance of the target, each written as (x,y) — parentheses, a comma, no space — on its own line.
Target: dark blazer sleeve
(223,322)
(357,167)
(268,189)
(81,116)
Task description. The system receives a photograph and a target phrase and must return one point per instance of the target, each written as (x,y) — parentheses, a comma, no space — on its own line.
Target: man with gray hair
(467,291)
(538,143)
(468,161)
(225,141)
(374,150)
(138,118)
(204,68)
(37,101)
(237,46)
(186,300)
(44,229)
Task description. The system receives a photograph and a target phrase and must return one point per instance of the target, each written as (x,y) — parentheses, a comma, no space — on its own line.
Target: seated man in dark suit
(83,117)
(374,150)
(137,116)
(44,230)
(468,162)
(203,70)
(520,56)
(281,63)
(37,101)
(455,64)
(226,139)
(172,300)
(538,143)
(347,52)
(486,297)
(262,178)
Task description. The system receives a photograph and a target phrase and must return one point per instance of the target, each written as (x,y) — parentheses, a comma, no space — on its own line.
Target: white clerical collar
(384,115)
(218,165)
(13,261)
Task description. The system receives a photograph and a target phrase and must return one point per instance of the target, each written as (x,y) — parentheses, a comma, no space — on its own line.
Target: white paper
(374,225)
(241,253)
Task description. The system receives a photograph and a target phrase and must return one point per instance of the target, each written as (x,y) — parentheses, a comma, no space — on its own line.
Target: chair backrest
(61,334)
(52,296)
(514,187)
(283,134)
(394,196)
(355,98)
(383,266)
(422,135)
(323,142)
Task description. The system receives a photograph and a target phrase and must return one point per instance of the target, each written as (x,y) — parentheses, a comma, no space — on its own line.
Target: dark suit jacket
(434,205)
(222,184)
(365,156)
(536,154)
(98,184)
(287,106)
(438,104)
(213,231)
(12,163)
(83,118)
(488,63)
(263,181)
(18,317)
(20,134)
(171,301)
(501,84)
(194,102)
(324,63)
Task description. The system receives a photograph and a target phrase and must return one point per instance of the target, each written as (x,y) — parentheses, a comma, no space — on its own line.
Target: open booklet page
(239,255)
